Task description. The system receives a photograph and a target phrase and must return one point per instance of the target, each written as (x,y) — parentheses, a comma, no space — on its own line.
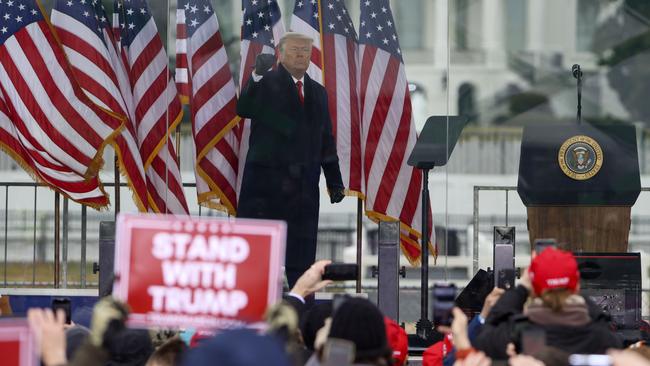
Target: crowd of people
(542,321)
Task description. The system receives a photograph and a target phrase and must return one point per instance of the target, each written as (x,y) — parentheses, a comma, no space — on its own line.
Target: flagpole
(320,33)
(359,217)
(117,186)
(57,243)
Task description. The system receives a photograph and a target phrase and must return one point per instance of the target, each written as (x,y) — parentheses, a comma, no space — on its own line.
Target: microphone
(577,73)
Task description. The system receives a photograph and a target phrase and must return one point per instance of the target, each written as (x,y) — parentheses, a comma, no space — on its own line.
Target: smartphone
(338,352)
(533,340)
(63,303)
(504,266)
(341,272)
(590,360)
(443,303)
(541,244)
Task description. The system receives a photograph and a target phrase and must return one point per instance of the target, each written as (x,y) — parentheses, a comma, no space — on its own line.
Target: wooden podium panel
(582,228)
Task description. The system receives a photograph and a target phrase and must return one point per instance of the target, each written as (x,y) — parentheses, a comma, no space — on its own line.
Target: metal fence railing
(50,242)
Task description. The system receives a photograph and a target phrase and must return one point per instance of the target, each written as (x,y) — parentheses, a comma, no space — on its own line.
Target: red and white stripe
(393,188)
(164,182)
(340,70)
(98,68)
(37,83)
(50,114)
(249,51)
(203,70)
(182,72)
(45,168)
(157,113)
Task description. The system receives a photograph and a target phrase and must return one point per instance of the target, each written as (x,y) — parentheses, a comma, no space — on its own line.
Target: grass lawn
(27,274)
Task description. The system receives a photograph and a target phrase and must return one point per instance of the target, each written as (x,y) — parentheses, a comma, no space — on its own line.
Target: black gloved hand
(263,62)
(336,195)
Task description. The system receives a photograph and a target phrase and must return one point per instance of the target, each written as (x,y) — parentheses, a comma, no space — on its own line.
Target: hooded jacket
(582,327)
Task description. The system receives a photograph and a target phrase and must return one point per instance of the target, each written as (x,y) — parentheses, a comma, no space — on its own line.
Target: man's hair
(169,353)
(293,35)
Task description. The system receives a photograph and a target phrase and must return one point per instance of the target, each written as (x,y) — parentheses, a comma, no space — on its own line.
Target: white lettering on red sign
(184,246)
(199,274)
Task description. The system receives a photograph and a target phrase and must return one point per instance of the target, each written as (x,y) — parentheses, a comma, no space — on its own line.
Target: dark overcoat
(289,144)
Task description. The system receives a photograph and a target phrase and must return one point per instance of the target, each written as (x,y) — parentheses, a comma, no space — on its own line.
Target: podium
(579,183)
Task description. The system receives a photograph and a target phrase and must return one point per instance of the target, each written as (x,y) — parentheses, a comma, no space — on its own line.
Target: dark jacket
(286,133)
(289,144)
(506,318)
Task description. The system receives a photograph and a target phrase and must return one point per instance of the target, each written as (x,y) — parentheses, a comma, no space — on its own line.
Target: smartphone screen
(443,303)
(504,266)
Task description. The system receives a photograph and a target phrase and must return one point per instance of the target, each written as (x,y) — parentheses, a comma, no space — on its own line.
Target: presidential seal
(580,157)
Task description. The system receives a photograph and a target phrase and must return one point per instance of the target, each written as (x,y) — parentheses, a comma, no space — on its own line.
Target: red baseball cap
(554,268)
(397,340)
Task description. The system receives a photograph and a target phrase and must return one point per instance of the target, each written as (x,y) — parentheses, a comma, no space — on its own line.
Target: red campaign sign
(197,272)
(16,343)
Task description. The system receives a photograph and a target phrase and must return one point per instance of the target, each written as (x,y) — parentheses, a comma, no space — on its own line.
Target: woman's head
(556,271)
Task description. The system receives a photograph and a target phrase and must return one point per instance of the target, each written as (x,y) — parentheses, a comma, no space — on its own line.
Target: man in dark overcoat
(290,141)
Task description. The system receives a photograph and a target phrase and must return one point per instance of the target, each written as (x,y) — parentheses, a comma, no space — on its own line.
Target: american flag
(84,31)
(157,106)
(50,113)
(393,189)
(261,31)
(338,66)
(44,168)
(203,76)
(306,19)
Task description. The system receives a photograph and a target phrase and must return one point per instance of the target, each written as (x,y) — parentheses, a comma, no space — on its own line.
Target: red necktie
(300,95)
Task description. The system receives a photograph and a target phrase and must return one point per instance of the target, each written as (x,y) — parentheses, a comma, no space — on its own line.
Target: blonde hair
(293,35)
(555,298)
